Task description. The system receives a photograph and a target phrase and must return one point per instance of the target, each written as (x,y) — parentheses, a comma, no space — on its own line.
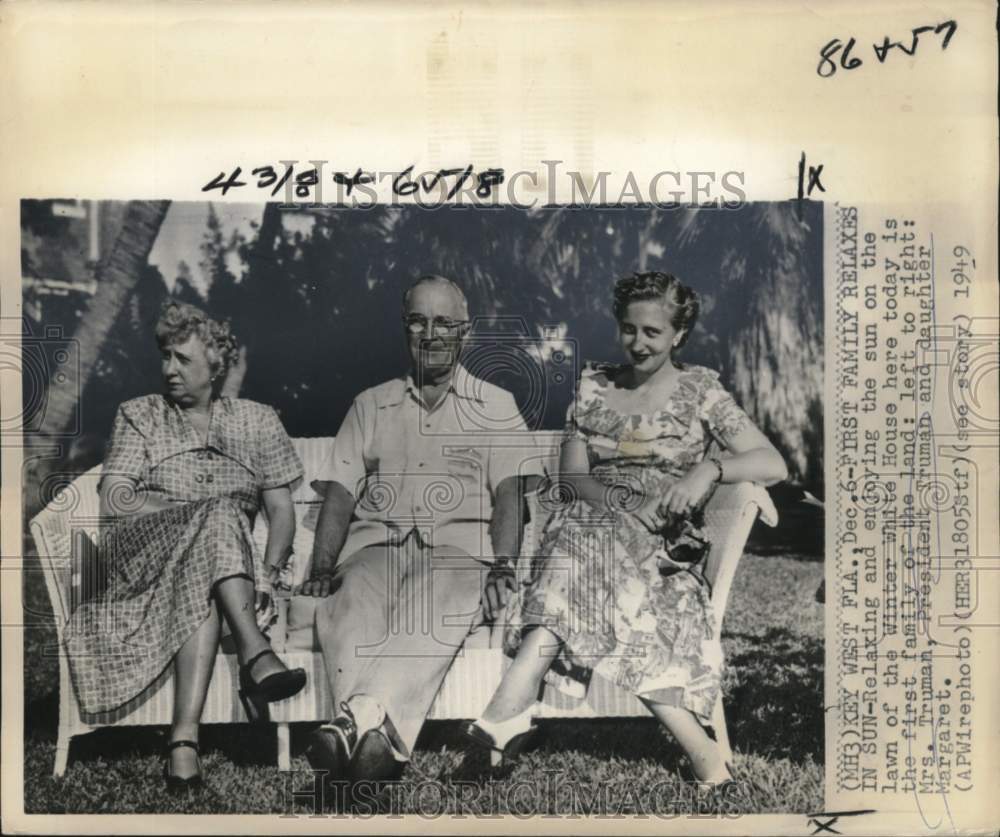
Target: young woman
(635,462)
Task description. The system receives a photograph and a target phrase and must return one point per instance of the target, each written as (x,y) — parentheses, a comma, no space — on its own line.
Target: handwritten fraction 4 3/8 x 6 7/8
(837,52)
(445,183)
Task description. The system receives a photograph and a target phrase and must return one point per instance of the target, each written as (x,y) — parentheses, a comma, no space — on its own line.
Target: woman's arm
(752,458)
(121,497)
(280,525)
(574,473)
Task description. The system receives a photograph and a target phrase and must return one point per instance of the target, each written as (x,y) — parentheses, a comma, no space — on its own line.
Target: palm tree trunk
(117,275)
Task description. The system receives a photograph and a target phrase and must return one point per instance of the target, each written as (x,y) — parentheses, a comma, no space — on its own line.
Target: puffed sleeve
(126,454)
(723,417)
(346,462)
(276,460)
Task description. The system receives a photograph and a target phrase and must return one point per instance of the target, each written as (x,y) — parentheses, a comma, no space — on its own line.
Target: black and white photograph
(429,511)
(502,418)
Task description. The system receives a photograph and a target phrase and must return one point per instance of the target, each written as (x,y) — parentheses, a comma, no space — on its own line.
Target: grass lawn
(773,641)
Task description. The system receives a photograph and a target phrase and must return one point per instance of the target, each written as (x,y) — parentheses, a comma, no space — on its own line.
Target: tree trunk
(61,427)
(117,275)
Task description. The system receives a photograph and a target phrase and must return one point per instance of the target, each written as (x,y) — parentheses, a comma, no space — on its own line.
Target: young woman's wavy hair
(681,302)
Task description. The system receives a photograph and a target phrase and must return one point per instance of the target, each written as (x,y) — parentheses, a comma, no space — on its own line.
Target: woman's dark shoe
(503,751)
(177,784)
(278,686)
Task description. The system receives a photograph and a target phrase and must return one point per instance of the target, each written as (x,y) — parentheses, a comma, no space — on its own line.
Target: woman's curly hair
(681,301)
(179,320)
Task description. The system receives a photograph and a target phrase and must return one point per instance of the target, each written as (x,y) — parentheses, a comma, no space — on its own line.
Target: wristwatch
(718,467)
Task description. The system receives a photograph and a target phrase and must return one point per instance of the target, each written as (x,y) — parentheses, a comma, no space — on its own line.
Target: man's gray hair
(441,280)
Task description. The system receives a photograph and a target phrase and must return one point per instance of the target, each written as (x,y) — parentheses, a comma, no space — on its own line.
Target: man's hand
(318,584)
(499,584)
(331,532)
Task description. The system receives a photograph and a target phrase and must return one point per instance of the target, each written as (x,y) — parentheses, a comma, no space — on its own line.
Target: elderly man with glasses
(422,500)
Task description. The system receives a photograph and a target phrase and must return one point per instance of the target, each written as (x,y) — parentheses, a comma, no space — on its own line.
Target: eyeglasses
(417,324)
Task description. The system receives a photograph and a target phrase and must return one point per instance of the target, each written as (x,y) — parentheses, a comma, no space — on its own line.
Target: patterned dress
(629,605)
(162,566)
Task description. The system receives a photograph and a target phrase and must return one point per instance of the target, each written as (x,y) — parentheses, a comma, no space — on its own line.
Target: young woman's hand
(685,494)
(261,601)
(648,514)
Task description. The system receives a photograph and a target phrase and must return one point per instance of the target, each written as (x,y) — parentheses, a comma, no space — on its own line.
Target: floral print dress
(162,566)
(629,605)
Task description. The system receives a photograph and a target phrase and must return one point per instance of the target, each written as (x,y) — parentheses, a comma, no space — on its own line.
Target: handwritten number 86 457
(829,58)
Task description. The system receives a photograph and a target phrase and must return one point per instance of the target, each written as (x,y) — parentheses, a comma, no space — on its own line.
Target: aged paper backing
(109,100)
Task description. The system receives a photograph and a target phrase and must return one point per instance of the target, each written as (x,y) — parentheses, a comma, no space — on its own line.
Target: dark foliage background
(318,306)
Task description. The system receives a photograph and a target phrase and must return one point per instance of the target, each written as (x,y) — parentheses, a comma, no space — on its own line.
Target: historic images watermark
(551,794)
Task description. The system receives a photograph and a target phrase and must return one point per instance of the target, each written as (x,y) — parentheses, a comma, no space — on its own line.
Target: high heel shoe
(278,686)
(504,749)
(176,784)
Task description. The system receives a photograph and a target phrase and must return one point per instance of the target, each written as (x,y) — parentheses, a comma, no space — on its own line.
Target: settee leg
(62,754)
(284,748)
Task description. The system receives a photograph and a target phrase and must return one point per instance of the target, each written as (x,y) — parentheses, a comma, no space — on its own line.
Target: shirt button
(420,464)
(210,478)
(199,478)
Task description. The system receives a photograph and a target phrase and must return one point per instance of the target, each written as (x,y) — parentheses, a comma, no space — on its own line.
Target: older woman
(185,474)
(635,461)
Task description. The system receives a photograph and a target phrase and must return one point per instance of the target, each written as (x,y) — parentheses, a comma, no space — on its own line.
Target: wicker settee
(65,531)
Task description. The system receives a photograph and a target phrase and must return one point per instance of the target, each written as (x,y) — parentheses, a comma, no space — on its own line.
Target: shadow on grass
(41,717)
(800,530)
(775,706)
(242,746)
